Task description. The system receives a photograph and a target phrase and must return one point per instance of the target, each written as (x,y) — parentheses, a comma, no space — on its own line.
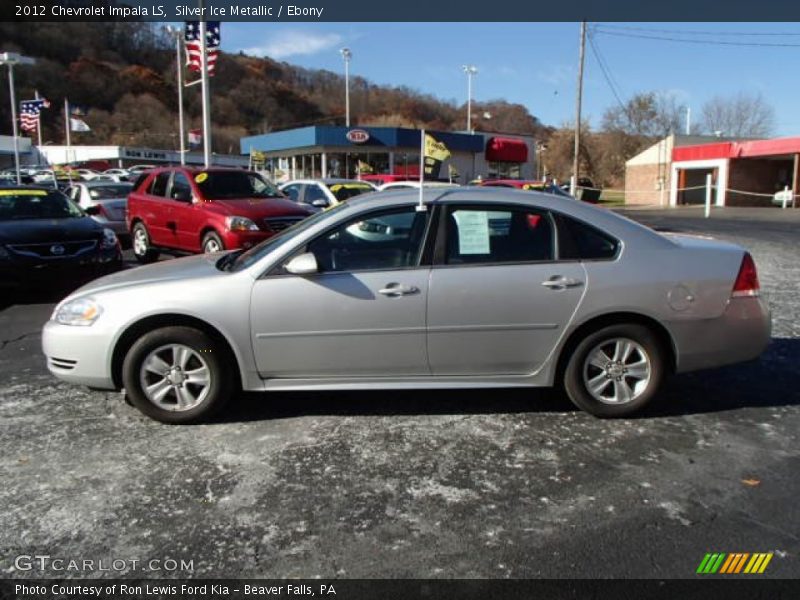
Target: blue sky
(535,64)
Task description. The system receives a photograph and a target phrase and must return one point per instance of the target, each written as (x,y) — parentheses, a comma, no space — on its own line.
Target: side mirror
(304,264)
(320,203)
(92,210)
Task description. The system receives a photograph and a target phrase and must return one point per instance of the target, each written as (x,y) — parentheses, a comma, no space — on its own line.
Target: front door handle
(395,289)
(557,282)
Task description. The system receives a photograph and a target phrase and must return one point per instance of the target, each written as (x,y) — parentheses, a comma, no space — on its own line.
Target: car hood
(38,231)
(190,267)
(258,208)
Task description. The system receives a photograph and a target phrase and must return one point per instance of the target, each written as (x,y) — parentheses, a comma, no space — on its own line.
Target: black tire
(212,239)
(204,353)
(647,355)
(140,241)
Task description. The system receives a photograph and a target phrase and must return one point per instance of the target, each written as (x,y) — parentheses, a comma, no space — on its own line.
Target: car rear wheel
(140,240)
(212,243)
(177,375)
(615,371)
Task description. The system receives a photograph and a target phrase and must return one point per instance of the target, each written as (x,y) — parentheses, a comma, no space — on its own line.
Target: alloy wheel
(617,371)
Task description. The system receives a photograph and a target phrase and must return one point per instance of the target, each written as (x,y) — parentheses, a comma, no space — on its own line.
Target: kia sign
(357,136)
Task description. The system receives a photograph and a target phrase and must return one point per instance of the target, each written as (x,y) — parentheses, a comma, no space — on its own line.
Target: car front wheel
(177,375)
(212,243)
(140,240)
(615,371)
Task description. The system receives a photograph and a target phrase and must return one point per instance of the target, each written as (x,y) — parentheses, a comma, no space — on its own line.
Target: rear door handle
(395,289)
(558,282)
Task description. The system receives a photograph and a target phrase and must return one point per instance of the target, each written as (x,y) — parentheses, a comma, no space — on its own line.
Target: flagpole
(39,124)
(205,91)
(180,97)
(67,127)
(421,166)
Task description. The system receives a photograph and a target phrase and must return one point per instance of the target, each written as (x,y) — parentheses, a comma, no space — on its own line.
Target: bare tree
(647,114)
(744,115)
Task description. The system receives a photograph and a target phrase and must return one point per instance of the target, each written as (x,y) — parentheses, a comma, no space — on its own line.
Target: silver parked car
(106,200)
(482,288)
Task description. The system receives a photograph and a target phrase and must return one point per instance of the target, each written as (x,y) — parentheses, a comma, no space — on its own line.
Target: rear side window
(580,241)
(158,187)
(140,180)
(501,235)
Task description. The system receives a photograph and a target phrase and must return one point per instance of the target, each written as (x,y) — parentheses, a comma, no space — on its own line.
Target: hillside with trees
(124,74)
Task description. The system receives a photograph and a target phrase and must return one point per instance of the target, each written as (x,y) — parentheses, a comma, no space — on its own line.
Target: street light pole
(177,33)
(470,70)
(346,55)
(10,59)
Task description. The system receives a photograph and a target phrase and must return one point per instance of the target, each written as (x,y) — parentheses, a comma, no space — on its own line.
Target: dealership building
(124,156)
(7,150)
(748,172)
(330,151)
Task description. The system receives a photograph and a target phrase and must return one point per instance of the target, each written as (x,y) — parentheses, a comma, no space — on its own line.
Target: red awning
(500,149)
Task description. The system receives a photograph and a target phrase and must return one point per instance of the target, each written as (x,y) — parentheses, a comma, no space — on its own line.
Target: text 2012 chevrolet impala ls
(482,288)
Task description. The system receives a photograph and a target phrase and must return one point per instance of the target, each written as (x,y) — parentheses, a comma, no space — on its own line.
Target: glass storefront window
(505,170)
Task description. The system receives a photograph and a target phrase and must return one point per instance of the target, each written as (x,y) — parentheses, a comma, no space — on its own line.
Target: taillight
(747,279)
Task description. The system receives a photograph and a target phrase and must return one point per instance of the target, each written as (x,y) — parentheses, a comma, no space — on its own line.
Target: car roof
(99,182)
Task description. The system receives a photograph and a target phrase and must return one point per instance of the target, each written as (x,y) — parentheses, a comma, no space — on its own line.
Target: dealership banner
(170,11)
(401,589)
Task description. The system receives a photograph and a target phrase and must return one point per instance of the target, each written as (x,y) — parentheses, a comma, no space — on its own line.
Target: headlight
(109,239)
(81,312)
(240,224)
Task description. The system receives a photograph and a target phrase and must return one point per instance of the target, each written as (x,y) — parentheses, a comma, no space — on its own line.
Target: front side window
(314,192)
(181,188)
(293,191)
(487,234)
(383,240)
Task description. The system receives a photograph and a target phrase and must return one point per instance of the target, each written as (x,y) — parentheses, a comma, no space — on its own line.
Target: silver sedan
(476,287)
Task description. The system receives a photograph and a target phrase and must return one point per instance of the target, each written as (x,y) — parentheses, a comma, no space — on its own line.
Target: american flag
(29,112)
(191,36)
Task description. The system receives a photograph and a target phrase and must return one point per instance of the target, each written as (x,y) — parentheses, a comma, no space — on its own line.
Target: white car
(324,193)
(118,174)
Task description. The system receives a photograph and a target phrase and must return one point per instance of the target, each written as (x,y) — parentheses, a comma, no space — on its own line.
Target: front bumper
(742,333)
(20,272)
(79,354)
(244,239)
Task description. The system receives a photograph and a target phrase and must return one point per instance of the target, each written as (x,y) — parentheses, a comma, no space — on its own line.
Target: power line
(697,32)
(606,72)
(690,41)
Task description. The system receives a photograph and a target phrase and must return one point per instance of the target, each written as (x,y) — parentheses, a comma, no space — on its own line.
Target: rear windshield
(117,190)
(36,204)
(230,185)
(343,191)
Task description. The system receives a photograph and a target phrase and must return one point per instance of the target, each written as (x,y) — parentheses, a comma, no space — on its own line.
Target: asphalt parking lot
(452,484)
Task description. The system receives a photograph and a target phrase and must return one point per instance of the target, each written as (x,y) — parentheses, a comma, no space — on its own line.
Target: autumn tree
(743,115)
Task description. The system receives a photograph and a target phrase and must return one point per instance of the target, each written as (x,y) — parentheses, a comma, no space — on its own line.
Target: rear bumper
(742,333)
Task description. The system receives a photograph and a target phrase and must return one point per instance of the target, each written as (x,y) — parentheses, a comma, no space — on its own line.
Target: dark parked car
(205,210)
(46,239)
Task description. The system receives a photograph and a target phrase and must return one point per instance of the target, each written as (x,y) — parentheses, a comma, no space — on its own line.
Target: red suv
(205,210)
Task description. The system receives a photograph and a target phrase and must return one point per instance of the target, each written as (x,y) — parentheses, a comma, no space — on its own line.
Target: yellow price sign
(200,177)
(23,193)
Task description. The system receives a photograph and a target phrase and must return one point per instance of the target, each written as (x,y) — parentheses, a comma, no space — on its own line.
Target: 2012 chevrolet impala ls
(475,287)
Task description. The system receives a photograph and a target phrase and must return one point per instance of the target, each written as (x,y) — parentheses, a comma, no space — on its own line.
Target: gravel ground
(451,484)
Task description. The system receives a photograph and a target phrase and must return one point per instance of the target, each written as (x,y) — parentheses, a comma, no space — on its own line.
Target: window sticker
(473,231)
(200,177)
(23,193)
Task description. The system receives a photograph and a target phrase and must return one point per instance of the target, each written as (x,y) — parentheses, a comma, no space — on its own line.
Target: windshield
(255,253)
(36,204)
(230,185)
(343,191)
(117,190)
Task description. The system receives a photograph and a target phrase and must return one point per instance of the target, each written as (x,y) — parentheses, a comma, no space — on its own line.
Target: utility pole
(471,71)
(688,120)
(573,188)
(204,84)
(178,34)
